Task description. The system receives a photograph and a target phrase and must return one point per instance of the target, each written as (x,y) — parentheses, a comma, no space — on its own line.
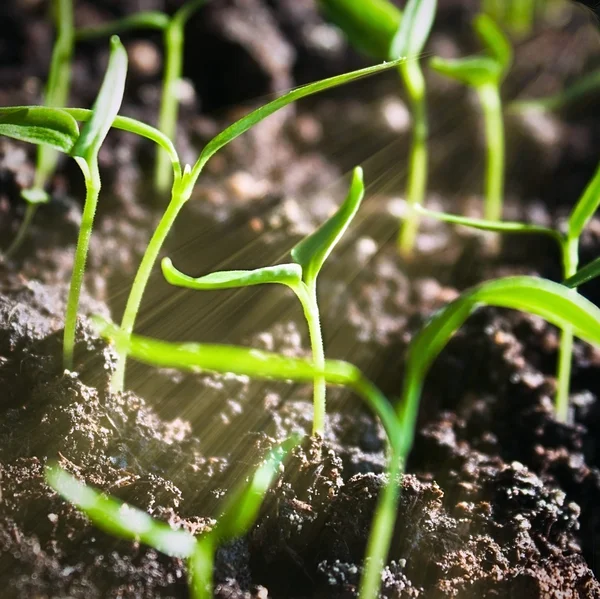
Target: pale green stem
(201,565)
(570,250)
(414,82)
(56,95)
(169,104)
(180,194)
(92,186)
(308,298)
(489,95)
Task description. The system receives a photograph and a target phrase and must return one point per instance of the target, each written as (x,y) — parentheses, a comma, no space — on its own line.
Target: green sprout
(185,180)
(568,244)
(173,38)
(124,521)
(485,74)
(518,16)
(380,29)
(57,129)
(546,299)
(55,96)
(301,277)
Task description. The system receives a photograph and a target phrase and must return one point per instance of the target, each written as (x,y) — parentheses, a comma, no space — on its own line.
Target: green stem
(169,105)
(201,566)
(22,232)
(570,249)
(180,194)
(489,95)
(308,299)
(417,174)
(92,185)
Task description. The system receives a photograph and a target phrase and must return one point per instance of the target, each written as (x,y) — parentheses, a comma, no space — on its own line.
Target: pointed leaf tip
(313,250)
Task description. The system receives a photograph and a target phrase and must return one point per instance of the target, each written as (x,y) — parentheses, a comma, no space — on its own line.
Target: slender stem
(308,299)
(92,185)
(23,228)
(201,565)
(570,249)
(489,95)
(417,174)
(179,196)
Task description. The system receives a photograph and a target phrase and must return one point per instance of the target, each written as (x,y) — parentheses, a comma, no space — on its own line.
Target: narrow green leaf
(243,504)
(552,301)
(40,125)
(118,518)
(473,70)
(312,251)
(585,207)
(107,104)
(488,225)
(285,274)
(494,40)
(369,25)
(263,112)
(414,29)
(150,19)
(583,275)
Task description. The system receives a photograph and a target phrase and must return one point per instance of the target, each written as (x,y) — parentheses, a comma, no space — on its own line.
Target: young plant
(57,129)
(485,74)
(301,277)
(378,28)
(518,16)
(546,299)
(122,520)
(173,39)
(185,179)
(55,95)
(569,247)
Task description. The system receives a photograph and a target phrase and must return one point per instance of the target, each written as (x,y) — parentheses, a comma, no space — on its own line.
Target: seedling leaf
(242,506)
(493,39)
(489,225)
(40,125)
(286,274)
(107,104)
(583,275)
(263,112)
(312,251)
(369,25)
(585,207)
(414,29)
(473,70)
(150,19)
(118,518)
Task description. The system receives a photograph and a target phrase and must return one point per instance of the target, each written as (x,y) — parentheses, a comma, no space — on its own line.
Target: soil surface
(500,499)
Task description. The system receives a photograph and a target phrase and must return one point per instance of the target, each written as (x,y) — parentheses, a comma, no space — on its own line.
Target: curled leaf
(474,70)
(494,40)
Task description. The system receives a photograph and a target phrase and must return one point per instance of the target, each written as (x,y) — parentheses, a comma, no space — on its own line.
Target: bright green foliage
(415,26)
(369,25)
(518,16)
(583,275)
(549,300)
(485,74)
(310,255)
(85,152)
(184,182)
(129,523)
(40,125)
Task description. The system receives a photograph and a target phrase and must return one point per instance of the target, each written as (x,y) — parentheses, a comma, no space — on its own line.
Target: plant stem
(201,566)
(92,185)
(169,104)
(570,250)
(179,196)
(308,299)
(417,174)
(489,95)
(23,228)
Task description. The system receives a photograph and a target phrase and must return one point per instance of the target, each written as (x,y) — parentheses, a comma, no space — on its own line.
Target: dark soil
(500,500)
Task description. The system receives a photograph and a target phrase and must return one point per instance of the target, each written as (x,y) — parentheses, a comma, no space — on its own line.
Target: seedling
(301,277)
(518,16)
(378,28)
(122,520)
(485,74)
(56,95)
(185,179)
(173,38)
(569,247)
(57,129)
